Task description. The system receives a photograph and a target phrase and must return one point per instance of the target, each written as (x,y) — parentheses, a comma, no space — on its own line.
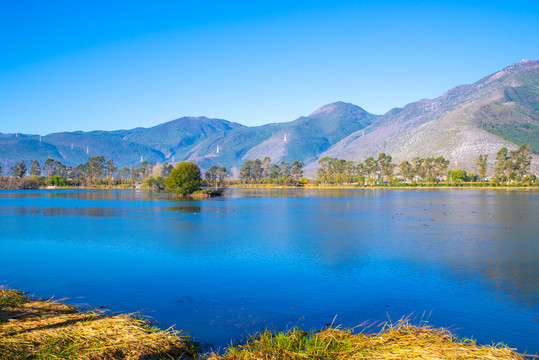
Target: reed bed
(396,341)
(37,329)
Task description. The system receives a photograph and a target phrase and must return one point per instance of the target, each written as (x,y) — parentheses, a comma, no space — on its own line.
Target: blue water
(219,268)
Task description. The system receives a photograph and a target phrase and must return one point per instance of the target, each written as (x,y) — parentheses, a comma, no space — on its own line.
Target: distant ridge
(501,109)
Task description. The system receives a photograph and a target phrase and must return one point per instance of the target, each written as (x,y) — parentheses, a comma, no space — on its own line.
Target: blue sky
(85,65)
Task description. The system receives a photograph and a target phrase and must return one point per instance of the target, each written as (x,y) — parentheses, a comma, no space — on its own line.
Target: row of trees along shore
(264,172)
(511,167)
(96,172)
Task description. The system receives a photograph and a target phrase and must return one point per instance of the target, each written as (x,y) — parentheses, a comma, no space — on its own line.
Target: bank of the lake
(410,186)
(44,329)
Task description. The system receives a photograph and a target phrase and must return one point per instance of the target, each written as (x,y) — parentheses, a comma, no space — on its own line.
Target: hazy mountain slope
(14,149)
(459,125)
(126,147)
(302,139)
(110,144)
(179,134)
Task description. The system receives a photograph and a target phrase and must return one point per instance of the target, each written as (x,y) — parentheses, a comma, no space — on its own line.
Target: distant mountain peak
(337,107)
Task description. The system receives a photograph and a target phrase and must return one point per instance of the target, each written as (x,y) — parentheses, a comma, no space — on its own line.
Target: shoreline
(352,187)
(309,187)
(36,328)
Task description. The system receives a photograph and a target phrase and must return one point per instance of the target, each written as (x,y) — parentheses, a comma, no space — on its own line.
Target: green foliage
(35,168)
(259,171)
(18,170)
(518,123)
(166,169)
(456,176)
(184,179)
(529,180)
(512,165)
(216,175)
(482,166)
(57,181)
(380,170)
(155,183)
(10,298)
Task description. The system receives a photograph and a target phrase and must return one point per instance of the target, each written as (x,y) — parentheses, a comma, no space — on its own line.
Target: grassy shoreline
(42,329)
(384,187)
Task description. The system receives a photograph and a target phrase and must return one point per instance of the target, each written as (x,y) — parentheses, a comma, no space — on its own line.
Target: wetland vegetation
(45,329)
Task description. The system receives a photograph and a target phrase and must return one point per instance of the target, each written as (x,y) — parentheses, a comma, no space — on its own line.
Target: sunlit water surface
(221,268)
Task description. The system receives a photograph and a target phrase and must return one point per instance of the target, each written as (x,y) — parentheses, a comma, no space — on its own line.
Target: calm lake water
(463,259)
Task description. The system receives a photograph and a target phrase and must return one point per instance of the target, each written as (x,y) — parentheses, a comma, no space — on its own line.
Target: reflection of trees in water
(65,211)
(295,192)
(186,209)
(109,195)
(451,234)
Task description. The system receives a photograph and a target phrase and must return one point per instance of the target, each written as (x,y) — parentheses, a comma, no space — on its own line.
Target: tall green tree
(502,164)
(110,168)
(184,179)
(296,170)
(211,175)
(222,175)
(245,171)
(370,166)
(284,170)
(274,172)
(523,160)
(256,170)
(166,169)
(266,163)
(124,174)
(482,166)
(35,168)
(18,170)
(406,170)
(95,167)
(418,169)
(323,173)
(385,166)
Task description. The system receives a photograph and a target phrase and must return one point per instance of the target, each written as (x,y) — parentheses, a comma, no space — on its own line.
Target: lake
(219,268)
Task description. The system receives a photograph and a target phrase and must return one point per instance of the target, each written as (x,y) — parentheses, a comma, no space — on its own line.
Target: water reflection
(258,257)
(186,209)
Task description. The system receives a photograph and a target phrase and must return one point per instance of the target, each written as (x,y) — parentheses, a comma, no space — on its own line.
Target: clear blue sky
(85,65)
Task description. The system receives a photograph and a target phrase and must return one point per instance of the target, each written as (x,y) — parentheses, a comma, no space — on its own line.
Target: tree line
(97,171)
(510,167)
(264,172)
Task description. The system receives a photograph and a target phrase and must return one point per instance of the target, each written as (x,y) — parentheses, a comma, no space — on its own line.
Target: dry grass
(36,329)
(399,341)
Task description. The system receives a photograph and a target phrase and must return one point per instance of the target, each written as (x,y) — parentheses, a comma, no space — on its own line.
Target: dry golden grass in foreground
(400,341)
(35,329)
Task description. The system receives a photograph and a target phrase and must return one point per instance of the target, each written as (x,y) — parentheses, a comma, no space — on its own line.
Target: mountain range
(501,109)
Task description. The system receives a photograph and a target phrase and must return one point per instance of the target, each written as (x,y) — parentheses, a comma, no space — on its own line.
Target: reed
(395,341)
(38,329)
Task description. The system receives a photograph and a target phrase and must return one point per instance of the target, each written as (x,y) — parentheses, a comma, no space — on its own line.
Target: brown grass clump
(36,329)
(400,341)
